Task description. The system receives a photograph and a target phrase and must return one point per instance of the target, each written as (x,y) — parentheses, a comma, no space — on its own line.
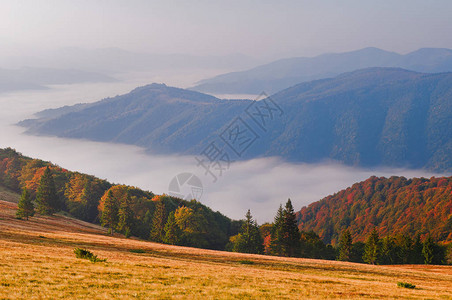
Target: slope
(393,205)
(38,261)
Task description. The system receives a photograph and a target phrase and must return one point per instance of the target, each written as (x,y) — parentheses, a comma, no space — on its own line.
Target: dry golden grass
(37,261)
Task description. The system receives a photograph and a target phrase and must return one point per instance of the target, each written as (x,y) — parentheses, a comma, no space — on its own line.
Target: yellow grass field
(37,261)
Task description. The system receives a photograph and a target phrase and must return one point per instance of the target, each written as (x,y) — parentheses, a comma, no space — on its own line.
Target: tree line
(283,238)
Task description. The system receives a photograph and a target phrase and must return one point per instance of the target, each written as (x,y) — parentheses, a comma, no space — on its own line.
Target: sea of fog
(259,184)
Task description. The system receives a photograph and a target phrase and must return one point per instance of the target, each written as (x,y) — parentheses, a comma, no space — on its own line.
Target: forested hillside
(121,208)
(394,206)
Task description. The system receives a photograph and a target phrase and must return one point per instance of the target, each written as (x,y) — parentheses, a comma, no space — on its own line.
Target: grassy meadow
(37,260)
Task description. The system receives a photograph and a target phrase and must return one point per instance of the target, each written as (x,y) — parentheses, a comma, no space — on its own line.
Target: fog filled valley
(265,183)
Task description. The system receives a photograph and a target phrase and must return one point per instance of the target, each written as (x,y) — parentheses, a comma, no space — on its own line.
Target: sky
(265,29)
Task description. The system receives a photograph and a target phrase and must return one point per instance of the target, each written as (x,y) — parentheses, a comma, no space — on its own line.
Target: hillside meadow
(37,261)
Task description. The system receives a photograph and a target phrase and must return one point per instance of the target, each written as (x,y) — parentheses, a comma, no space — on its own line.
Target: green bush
(137,251)
(406,285)
(86,254)
(246,262)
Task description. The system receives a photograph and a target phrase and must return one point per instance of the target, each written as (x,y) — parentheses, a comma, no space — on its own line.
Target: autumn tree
(25,206)
(345,245)
(46,198)
(249,240)
(184,218)
(31,174)
(372,249)
(266,233)
(194,226)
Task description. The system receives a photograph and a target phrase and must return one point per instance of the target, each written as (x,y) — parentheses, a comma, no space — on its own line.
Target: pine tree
(158,222)
(405,249)
(172,231)
(428,250)
(389,251)
(125,216)
(25,207)
(292,233)
(249,240)
(109,215)
(372,249)
(277,234)
(416,256)
(345,245)
(46,198)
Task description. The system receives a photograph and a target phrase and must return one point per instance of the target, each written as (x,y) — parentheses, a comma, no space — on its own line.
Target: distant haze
(269,29)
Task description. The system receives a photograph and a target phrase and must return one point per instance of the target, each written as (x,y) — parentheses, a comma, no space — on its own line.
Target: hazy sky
(258,28)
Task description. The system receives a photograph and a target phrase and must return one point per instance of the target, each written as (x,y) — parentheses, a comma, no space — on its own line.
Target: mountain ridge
(371,117)
(283,73)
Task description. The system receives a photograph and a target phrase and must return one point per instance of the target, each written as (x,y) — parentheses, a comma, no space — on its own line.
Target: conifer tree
(291,231)
(372,249)
(46,198)
(345,245)
(109,215)
(428,250)
(25,207)
(389,251)
(158,222)
(249,240)
(277,234)
(172,231)
(406,249)
(125,216)
(416,256)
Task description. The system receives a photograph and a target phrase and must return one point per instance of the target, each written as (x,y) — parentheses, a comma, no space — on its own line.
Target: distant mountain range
(393,205)
(371,117)
(117,60)
(39,78)
(284,73)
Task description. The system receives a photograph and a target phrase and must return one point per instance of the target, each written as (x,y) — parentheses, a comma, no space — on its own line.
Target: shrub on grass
(246,262)
(137,251)
(86,254)
(406,285)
